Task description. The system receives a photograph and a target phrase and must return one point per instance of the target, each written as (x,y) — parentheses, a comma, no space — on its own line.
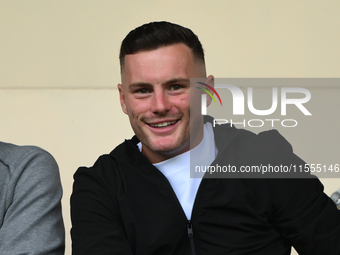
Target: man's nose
(160,102)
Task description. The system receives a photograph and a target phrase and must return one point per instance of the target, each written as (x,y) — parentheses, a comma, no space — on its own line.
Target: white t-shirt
(177,169)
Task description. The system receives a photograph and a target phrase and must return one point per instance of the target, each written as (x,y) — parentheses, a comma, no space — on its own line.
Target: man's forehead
(173,60)
(176,57)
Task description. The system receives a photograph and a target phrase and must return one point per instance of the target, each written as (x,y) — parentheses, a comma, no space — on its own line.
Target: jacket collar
(223,133)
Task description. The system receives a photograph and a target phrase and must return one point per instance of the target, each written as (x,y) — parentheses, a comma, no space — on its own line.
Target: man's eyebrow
(139,84)
(145,84)
(177,80)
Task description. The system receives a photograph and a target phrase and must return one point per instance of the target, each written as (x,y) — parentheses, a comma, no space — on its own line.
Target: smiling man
(140,199)
(155,94)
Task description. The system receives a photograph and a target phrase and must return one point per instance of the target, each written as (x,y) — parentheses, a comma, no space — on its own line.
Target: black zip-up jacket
(124,205)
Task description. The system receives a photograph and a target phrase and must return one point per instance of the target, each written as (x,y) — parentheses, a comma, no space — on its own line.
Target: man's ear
(210,81)
(122,98)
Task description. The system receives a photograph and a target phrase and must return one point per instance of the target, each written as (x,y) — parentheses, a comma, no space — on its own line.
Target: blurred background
(59,69)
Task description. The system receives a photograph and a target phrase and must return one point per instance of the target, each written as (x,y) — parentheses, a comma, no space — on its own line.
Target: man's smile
(163,124)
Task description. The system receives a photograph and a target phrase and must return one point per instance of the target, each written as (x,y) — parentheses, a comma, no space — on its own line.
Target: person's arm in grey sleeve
(30,207)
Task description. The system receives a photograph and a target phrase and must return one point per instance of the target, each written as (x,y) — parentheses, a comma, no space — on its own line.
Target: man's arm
(97,226)
(32,220)
(304,214)
(307,217)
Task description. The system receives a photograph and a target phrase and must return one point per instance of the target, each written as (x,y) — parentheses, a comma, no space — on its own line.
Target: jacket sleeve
(303,213)
(32,221)
(306,216)
(97,227)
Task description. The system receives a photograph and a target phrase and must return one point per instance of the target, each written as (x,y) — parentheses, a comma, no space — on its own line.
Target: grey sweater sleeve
(30,202)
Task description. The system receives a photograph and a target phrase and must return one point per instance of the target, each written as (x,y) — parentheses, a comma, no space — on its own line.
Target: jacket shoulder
(16,157)
(108,167)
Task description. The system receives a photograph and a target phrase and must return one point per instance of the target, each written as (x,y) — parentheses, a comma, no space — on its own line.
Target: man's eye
(143,91)
(176,87)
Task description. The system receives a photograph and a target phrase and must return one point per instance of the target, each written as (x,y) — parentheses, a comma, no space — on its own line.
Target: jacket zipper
(191,237)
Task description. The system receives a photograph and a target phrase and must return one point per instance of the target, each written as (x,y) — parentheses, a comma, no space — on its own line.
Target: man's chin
(168,149)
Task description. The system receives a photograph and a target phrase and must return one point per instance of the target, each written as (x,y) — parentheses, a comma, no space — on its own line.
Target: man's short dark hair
(153,35)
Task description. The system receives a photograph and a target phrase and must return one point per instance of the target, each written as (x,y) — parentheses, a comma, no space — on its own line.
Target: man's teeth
(163,124)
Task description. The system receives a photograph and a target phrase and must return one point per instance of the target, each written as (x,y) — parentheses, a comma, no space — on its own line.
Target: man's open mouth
(163,124)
